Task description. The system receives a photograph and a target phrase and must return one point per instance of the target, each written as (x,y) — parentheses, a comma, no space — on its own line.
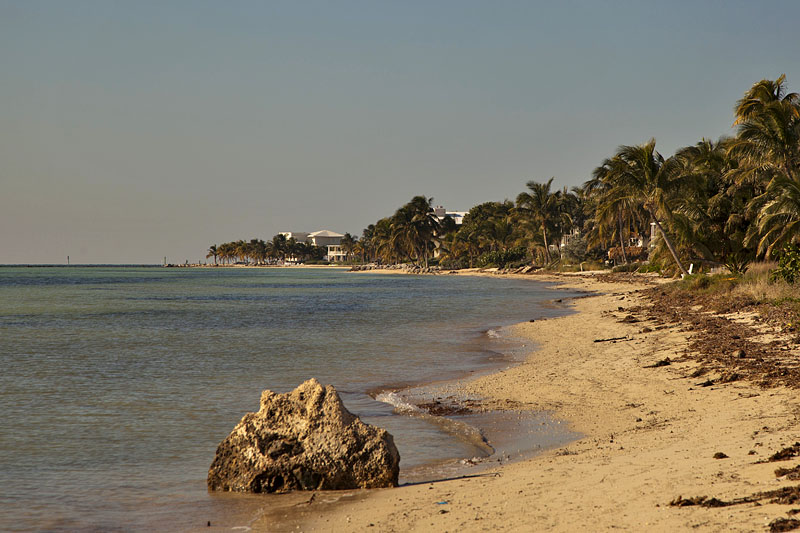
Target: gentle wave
(399,403)
(493,333)
(461,430)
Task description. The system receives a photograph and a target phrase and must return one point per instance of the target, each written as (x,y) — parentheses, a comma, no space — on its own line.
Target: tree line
(260,252)
(717,202)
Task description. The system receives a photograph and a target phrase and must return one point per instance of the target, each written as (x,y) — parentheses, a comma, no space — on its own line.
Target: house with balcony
(330,240)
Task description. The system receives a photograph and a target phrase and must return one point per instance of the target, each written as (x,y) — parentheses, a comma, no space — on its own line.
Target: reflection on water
(118,383)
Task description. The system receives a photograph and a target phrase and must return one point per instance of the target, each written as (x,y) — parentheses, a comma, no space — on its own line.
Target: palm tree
(348,244)
(226,252)
(768,137)
(413,229)
(640,174)
(541,208)
(778,222)
(213,252)
(767,145)
(280,246)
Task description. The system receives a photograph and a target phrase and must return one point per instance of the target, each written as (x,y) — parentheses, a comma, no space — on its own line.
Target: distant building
(330,240)
(457,216)
(566,238)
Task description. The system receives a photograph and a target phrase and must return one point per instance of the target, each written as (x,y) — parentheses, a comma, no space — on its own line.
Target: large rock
(304,440)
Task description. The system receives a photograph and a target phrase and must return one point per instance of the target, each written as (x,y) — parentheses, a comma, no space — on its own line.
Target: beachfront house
(330,240)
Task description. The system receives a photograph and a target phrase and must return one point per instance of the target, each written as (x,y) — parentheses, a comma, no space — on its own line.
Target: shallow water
(119,382)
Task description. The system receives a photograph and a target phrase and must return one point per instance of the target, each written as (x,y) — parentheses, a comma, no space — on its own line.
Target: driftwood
(613,339)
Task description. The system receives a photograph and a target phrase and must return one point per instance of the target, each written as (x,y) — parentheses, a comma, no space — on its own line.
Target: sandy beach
(650,435)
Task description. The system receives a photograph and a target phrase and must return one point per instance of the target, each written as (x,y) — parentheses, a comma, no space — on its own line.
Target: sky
(131,130)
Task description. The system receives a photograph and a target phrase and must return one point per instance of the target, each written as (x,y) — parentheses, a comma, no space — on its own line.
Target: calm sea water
(118,383)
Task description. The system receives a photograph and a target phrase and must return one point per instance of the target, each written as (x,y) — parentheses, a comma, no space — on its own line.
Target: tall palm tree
(768,147)
(280,246)
(541,208)
(213,252)
(348,244)
(615,212)
(768,136)
(414,227)
(642,175)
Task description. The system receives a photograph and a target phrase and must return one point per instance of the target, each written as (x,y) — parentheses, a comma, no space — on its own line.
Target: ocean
(118,383)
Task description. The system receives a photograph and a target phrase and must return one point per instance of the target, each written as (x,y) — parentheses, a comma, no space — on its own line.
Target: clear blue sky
(134,130)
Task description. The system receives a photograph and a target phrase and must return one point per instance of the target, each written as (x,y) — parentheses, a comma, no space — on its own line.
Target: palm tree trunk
(668,243)
(621,240)
(546,247)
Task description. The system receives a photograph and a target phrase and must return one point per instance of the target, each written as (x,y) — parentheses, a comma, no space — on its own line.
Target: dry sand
(650,435)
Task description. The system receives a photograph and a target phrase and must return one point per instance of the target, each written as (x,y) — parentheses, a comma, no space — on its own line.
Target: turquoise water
(118,383)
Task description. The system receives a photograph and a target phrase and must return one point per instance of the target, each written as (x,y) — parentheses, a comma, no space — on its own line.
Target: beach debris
(786,453)
(789,473)
(699,372)
(784,524)
(783,496)
(786,495)
(450,406)
(612,339)
(566,451)
(303,440)
(720,455)
(702,501)
(729,377)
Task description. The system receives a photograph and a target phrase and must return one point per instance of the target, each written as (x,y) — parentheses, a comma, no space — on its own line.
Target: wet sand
(650,431)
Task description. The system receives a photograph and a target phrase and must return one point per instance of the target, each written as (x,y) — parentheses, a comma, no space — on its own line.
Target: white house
(332,241)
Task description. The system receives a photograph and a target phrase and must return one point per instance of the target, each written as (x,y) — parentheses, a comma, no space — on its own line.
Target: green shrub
(788,265)
(715,283)
(651,267)
(501,258)
(454,264)
(738,263)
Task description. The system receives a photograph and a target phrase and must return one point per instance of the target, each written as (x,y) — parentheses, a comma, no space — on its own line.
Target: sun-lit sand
(650,435)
